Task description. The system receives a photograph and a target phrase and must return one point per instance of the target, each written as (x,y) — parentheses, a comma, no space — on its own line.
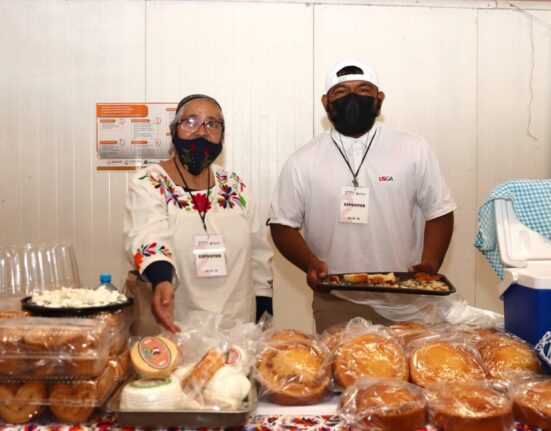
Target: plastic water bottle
(105,280)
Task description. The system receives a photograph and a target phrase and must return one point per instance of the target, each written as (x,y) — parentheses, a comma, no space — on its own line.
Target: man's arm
(292,246)
(438,234)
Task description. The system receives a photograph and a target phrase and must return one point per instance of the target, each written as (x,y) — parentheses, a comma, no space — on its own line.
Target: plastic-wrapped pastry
(369,355)
(20,403)
(444,361)
(198,376)
(469,406)
(532,403)
(505,356)
(293,369)
(383,405)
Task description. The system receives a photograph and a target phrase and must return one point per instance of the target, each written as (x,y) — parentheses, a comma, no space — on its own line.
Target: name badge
(210,256)
(354,205)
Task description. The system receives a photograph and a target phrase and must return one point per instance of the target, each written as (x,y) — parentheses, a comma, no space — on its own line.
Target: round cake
(532,403)
(505,356)
(383,405)
(444,361)
(293,370)
(469,406)
(369,355)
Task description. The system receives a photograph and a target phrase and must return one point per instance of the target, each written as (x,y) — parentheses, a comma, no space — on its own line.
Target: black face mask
(196,154)
(353,115)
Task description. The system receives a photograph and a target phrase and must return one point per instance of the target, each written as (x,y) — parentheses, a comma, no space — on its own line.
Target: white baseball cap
(368,74)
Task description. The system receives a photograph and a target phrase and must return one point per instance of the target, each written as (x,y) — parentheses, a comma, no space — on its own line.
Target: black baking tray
(325,286)
(202,419)
(39,310)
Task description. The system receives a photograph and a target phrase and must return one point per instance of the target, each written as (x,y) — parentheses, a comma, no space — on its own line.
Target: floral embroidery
(230,195)
(148,250)
(200,202)
(167,189)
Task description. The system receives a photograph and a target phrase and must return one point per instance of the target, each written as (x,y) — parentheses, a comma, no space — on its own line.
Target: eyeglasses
(192,124)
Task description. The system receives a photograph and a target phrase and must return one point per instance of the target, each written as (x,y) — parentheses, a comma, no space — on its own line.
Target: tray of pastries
(53,348)
(420,283)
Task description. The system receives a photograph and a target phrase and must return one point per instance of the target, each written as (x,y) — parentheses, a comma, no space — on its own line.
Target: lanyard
(203,214)
(354,175)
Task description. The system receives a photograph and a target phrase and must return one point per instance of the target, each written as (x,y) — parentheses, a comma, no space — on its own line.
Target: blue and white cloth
(543,349)
(532,204)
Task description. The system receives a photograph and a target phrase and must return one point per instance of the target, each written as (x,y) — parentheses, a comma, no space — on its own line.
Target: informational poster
(132,135)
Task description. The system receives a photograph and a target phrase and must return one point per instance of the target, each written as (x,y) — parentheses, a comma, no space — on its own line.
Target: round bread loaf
(505,356)
(444,361)
(532,404)
(383,405)
(369,355)
(469,406)
(293,370)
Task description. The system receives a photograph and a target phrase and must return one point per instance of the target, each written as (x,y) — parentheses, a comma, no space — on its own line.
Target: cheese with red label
(154,357)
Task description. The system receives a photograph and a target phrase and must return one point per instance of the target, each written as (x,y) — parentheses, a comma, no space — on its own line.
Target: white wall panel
(60,58)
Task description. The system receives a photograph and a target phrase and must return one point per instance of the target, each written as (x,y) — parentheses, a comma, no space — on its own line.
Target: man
(369,198)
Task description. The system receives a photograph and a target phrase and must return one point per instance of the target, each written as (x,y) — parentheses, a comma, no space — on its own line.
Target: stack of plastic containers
(58,367)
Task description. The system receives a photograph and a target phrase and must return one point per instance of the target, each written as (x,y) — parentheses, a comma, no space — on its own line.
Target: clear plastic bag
(383,405)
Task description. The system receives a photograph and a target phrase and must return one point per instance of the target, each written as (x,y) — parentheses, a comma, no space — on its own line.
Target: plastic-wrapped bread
(293,369)
(468,406)
(383,405)
(444,360)
(532,403)
(369,355)
(506,356)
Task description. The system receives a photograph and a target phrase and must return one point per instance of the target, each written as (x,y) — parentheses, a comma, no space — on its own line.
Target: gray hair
(180,109)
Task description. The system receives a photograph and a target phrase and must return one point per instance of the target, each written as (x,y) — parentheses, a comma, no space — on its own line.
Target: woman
(192,229)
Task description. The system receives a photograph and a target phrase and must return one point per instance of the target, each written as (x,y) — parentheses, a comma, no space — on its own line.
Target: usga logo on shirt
(385,178)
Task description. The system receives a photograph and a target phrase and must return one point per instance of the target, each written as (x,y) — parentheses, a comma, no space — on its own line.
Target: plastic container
(526,294)
(53,348)
(526,286)
(73,402)
(105,280)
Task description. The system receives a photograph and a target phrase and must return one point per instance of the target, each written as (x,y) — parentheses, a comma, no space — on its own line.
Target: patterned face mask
(196,154)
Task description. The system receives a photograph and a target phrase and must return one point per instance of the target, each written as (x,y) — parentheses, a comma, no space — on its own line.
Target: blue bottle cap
(105,278)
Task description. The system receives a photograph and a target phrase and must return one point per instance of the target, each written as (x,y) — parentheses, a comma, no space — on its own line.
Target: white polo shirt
(406,187)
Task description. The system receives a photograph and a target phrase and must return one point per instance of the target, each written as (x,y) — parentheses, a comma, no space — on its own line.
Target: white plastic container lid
(536,275)
(518,244)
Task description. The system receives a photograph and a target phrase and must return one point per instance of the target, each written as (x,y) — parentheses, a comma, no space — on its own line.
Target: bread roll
(369,355)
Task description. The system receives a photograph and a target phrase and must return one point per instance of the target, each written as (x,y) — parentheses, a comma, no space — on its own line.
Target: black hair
(350,70)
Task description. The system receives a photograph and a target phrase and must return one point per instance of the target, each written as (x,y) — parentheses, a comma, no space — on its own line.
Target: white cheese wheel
(151,394)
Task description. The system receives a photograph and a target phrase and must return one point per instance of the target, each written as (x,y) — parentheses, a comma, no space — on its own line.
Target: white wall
(470,76)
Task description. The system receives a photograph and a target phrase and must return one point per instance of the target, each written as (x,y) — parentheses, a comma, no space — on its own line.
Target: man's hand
(429,267)
(316,271)
(162,306)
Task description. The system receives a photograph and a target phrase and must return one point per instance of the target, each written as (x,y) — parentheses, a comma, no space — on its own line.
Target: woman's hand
(162,306)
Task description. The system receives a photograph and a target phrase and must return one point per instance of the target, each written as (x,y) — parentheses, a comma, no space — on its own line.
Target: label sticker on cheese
(154,352)
(154,356)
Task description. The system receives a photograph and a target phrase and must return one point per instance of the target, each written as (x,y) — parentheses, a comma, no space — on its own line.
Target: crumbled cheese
(69,297)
